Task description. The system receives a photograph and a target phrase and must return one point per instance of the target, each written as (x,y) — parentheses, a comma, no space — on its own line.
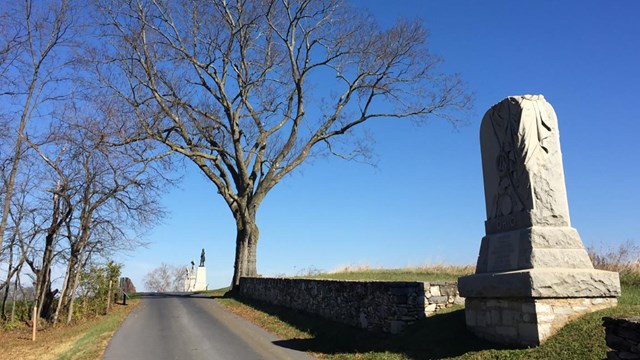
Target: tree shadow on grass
(439,336)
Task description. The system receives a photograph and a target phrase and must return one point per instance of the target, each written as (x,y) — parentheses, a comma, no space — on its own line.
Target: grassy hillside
(438,337)
(424,273)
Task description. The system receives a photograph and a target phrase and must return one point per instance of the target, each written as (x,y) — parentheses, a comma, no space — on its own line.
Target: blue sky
(424,201)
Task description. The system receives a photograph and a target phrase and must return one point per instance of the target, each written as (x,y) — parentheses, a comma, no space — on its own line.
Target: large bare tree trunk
(246,246)
(45,296)
(74,286)
(44,279)
(64,292)
(7,283)
(70,277)
(13,297)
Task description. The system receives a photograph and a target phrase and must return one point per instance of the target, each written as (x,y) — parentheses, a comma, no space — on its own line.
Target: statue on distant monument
(202,258)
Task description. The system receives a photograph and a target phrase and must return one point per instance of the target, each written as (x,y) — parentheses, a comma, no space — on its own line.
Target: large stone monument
(196,279)
(533,274)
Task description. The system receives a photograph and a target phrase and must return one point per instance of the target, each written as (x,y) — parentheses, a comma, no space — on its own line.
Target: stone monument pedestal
(201,279)
(525,307)
(196,278)
(533,274)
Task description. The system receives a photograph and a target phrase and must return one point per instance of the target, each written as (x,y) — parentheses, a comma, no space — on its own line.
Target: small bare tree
(118,192)
(249,89)
(159,279)
(165,278)
(109,193)
(33,35)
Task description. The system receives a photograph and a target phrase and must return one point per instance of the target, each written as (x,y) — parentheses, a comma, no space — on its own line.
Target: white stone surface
(530,248)
(201,279)
(541,283)
(190,280)
(507,323)
(522,163)
(538,246)
(533,274)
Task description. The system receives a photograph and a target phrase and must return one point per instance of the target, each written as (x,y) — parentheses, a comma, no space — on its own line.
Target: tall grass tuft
(624,259)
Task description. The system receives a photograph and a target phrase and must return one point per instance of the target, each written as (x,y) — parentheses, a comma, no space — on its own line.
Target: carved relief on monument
(531,259)
(520,156)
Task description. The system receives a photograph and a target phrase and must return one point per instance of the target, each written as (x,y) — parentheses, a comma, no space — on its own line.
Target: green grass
(94,340)
(438,337)
(426,274)
(131,296)
(630,295)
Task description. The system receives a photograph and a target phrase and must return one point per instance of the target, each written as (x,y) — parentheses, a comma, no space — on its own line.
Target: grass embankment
(440,336)
(83,341)
(423,273)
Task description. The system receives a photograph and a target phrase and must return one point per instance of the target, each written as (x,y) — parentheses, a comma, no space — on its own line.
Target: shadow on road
(439,336)
(177,294)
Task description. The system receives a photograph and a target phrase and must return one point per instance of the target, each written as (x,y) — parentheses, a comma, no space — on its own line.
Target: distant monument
(196,279)
(533,274)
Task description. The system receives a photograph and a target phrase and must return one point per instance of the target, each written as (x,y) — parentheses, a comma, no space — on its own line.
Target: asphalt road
(180,326)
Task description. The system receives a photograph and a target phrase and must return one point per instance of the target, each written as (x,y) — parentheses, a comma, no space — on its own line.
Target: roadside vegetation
(443,335)
(94,297)
(83,340)
(94,319)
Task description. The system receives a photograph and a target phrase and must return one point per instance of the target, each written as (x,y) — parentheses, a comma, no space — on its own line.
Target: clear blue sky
(424,201)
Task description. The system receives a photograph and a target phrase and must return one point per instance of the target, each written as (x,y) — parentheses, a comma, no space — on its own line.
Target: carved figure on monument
(202,258)
(522,165)
(531,258)
(524,130)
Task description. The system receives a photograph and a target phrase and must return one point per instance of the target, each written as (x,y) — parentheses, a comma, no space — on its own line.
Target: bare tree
(118,191)
(159,279)
(165,278)
(19,213)
(31,68)
(249,89)
(179,278)
(104,197)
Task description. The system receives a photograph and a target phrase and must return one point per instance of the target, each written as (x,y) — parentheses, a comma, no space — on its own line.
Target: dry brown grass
(53,342)
(460,270)
(624,259)
(430,272)
(50,343)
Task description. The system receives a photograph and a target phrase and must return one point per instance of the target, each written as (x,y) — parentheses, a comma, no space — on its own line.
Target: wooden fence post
(109,297)
(34,318)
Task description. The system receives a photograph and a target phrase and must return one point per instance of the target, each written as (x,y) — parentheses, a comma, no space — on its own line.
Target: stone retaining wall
(373,305)
(623,336)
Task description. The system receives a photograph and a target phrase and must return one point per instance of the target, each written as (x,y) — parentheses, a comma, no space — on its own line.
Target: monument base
(526,321)
(525,307)
(541,283)
(201,279)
